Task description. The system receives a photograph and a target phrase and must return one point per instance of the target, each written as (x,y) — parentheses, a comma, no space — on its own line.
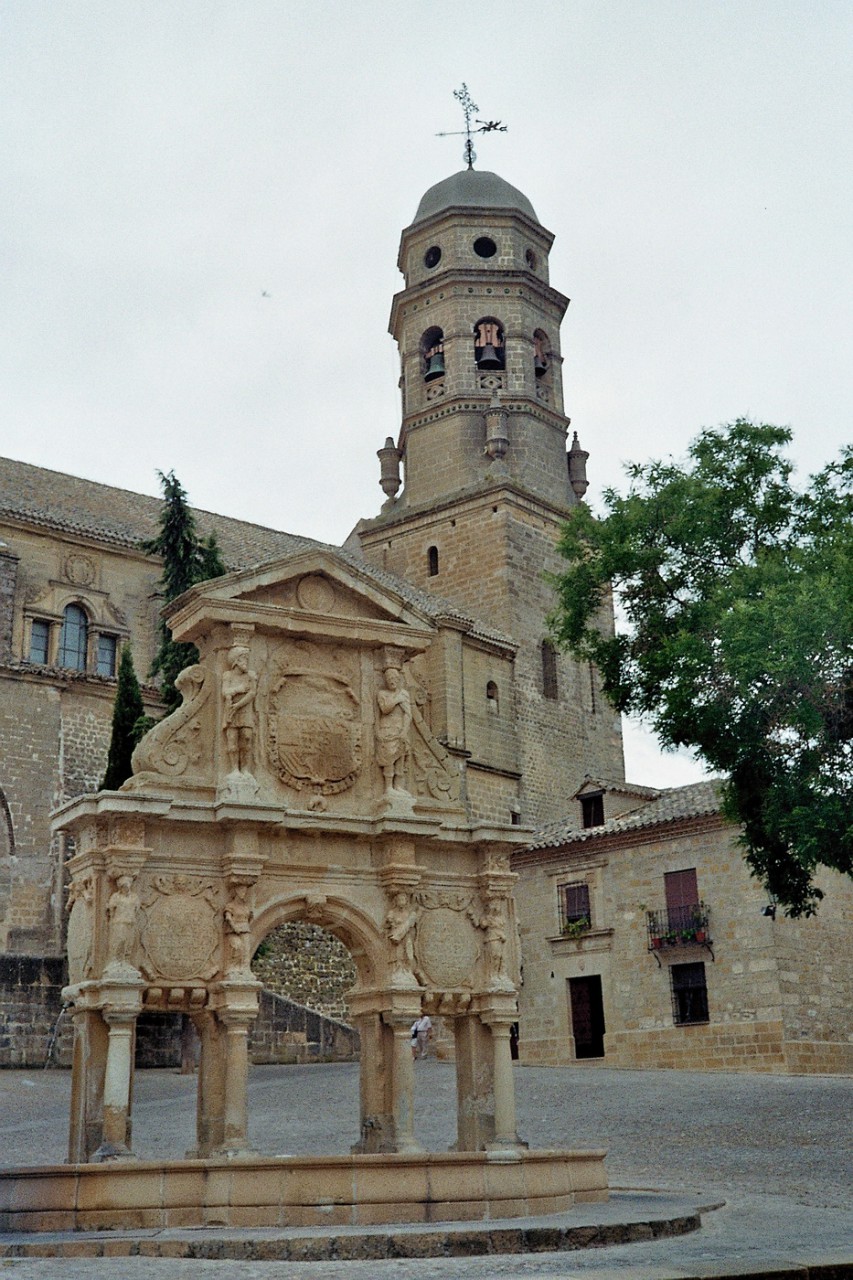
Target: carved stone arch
(365,943)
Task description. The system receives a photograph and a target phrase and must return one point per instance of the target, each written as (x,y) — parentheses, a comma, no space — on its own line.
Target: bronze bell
(489,358)
(435,366)
(540,365)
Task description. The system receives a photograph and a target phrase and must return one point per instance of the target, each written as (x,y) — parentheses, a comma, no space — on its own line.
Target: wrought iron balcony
(679,926)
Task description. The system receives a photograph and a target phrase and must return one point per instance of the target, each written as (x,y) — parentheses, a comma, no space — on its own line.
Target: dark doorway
(587,1011)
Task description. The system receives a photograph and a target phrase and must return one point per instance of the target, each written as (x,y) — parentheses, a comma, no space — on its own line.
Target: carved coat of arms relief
(313,725)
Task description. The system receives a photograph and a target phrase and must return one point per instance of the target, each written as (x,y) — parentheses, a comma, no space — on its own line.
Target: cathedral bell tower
(480,480)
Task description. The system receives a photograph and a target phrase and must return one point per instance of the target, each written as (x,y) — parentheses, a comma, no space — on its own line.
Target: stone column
(117,1085)
(475,1095)
(86,1132)
(235,1135)
(210,1099)
(376,1119)
(506,1136)
(403,1087)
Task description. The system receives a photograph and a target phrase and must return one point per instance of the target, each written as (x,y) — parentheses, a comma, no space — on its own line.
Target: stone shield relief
(447,948)
(181,934)
(313,731)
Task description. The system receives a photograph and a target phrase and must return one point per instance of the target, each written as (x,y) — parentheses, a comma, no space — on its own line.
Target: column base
(112,1151)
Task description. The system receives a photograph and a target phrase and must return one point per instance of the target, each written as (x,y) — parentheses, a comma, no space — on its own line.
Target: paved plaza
(776,1149)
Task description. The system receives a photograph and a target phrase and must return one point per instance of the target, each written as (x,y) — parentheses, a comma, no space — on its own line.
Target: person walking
(421,1036)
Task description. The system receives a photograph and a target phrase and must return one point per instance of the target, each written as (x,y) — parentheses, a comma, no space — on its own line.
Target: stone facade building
(477,484)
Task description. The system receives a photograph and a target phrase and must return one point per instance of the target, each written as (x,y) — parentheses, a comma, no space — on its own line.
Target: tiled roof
(119,517)
(620,785)
(697,800)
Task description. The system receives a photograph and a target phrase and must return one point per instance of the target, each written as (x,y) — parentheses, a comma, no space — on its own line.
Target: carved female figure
(122,910)
(238,915)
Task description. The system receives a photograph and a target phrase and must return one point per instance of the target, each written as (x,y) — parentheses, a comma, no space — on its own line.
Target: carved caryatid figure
(392,729)
(238,916)
(122,912)
(239,687)
(493,923)
(400,922)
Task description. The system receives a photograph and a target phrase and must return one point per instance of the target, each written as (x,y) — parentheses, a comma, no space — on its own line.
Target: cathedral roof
(473,189)
(52,500)
(674,804)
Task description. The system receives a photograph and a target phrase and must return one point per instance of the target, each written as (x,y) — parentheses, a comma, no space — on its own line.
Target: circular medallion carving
(80,570)
(316,593)
(447,948)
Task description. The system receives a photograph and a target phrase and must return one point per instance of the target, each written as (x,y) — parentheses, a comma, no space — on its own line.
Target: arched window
(74,638)
(489,344)
(432,561)
(492,700)
(432,354)
(549,670)
(541,347)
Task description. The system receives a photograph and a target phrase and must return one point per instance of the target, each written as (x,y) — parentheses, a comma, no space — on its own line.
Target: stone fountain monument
(299,780)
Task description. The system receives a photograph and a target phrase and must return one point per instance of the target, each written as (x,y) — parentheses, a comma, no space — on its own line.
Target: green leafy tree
(186,561)
(127,712)
(737,594)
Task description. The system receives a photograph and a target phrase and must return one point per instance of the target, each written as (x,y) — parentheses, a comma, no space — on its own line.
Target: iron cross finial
(470,107)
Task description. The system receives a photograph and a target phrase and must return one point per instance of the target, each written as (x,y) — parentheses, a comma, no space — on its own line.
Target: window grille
(689,994)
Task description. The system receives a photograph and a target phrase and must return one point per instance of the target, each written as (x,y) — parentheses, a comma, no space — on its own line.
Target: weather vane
(470,107)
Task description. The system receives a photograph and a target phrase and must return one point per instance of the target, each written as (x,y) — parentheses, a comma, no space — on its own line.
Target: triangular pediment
(311,586)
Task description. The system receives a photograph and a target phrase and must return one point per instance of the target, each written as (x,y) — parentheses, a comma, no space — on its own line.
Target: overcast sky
(167,163)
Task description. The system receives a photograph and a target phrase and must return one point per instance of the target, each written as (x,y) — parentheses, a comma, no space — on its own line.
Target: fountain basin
(299,1191)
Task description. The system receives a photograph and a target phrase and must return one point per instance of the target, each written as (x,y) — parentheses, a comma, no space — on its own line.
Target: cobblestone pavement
(776,1148)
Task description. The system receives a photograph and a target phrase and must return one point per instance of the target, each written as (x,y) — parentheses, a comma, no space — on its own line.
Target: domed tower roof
(475,189)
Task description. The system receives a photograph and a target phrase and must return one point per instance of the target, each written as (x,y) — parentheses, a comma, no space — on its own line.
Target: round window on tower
(484,247)
(432,257)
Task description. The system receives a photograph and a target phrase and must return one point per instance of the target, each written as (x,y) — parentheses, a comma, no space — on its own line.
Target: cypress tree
(127,710)
(186,560)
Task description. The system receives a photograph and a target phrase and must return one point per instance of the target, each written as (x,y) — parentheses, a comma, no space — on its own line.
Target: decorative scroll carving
(313,733)
(181,935)
(174,745)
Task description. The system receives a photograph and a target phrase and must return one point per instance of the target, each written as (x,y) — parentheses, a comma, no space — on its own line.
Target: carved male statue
(122,910)
(238,915)
(239,687)
(392,729)
(400,923)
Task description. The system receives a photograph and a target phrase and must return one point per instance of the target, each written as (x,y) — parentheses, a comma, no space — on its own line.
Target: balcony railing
(679,926)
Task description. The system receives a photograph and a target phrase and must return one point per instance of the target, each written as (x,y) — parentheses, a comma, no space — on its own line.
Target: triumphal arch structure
(299,779)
